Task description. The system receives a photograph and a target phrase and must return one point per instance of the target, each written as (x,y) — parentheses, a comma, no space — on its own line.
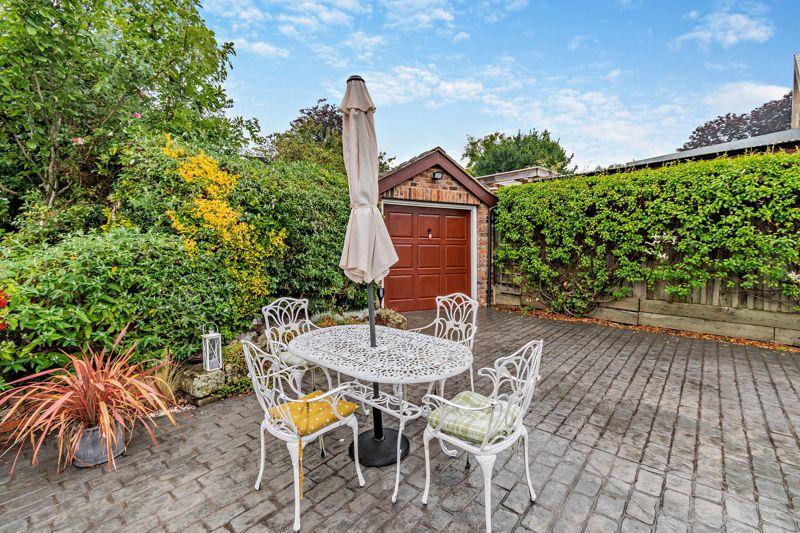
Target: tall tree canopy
(498,152)
(769,118)
(315,136)
(76,76)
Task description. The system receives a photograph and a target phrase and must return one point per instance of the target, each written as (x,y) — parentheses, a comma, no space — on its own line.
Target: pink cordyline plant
(102,390)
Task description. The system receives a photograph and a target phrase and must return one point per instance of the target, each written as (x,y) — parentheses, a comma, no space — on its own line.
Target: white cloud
(613,75)
(261,48)
(578,41)
(244,13)
(306,16)
(418,14)
(743,96)
(459,89)
(403,84)
(364,45)
(495,10)
(726,29)
(460,37)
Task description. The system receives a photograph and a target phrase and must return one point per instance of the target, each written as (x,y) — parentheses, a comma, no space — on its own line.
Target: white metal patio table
(400,358)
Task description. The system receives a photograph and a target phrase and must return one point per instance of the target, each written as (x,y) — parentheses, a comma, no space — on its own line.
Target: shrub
(86,288)
(311,206)
(304,204)
(578,240)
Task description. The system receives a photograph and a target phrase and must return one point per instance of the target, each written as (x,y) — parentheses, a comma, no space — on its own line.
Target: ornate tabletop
(401,357)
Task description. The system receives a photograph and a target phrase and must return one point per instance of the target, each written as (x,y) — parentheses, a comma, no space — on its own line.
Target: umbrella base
(373,452)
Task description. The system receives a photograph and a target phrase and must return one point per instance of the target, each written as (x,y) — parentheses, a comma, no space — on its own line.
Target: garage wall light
(437,175)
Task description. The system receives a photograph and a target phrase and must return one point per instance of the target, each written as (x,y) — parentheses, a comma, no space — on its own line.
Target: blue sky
(614,80)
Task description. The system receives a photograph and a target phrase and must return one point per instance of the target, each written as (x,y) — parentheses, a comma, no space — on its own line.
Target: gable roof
(432,158)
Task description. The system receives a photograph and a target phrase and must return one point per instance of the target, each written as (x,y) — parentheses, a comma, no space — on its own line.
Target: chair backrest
(515,377)
(271,381)
(284,319)
(456,318)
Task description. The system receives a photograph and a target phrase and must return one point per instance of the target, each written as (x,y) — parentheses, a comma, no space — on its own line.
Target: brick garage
(438,216)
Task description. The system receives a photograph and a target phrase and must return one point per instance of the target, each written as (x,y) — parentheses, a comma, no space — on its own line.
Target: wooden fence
(761,313)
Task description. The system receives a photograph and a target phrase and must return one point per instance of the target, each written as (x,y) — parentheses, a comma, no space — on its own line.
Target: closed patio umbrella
(368,251)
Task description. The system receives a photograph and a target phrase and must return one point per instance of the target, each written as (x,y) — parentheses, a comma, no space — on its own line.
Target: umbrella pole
(377,416)
(371,305)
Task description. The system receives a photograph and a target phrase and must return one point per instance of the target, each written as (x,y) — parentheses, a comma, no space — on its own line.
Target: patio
(629,430)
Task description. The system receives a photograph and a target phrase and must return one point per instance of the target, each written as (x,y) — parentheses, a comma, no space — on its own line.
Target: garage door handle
(430,233)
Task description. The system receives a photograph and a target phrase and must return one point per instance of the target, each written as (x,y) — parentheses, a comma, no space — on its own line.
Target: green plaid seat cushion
(290,359)
(469,425)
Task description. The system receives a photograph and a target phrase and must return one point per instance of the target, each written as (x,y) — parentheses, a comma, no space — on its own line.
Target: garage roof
(433,158)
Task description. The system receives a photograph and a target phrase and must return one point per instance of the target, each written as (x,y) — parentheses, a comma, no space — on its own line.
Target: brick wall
(422,188)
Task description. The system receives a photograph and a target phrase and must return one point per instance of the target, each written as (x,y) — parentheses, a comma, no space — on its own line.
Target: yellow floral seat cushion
(311,416)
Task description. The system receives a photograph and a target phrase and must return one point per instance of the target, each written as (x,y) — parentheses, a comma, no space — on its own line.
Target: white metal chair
(485,426)
(284,319)
(456,320)
(295,418)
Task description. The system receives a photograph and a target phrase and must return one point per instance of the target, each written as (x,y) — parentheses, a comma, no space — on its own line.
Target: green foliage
(311,204)
(577,240)
(308,202)
(38,223)
(236,379)
(498,152)
(315,136)
(79,78)
(86,288)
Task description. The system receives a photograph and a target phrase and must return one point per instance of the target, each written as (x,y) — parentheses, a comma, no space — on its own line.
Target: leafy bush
(578,240)
(310,204)
(87,288)
(305,203)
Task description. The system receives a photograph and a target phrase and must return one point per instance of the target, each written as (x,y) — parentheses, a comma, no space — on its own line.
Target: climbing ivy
(578,240)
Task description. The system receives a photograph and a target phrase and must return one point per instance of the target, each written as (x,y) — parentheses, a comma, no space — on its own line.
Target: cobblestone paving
(630,431)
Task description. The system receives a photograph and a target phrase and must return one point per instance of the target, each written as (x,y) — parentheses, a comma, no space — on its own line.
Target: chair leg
(426,442)
(527,462)
(397,474)
(353,423)
(487,464)
(322,446)
(263,453)
(471,380)
(294,453)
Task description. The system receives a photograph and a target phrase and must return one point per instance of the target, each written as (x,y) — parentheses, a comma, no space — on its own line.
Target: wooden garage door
(433,246)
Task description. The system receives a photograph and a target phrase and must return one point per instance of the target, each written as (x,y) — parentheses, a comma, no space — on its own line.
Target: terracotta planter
(92,448)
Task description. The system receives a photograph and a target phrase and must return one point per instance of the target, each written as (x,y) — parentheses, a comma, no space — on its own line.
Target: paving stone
(610,506)
(642,507)
(649,482)
(638,430)
(600,524)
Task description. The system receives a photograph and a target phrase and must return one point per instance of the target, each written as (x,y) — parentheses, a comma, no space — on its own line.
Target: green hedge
(86,288)
(578,240)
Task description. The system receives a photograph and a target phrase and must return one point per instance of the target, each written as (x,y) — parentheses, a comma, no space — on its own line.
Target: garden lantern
(212,347)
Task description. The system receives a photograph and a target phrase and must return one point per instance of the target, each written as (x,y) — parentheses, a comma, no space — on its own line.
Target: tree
(769,118)
(498,152)
(315,136)
(76,75)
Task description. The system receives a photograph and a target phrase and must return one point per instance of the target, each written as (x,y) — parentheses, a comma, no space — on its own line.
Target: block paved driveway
(631,431)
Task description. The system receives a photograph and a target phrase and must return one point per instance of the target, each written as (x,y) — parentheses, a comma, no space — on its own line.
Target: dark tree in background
(316,136)
(769,118)
(498,152)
